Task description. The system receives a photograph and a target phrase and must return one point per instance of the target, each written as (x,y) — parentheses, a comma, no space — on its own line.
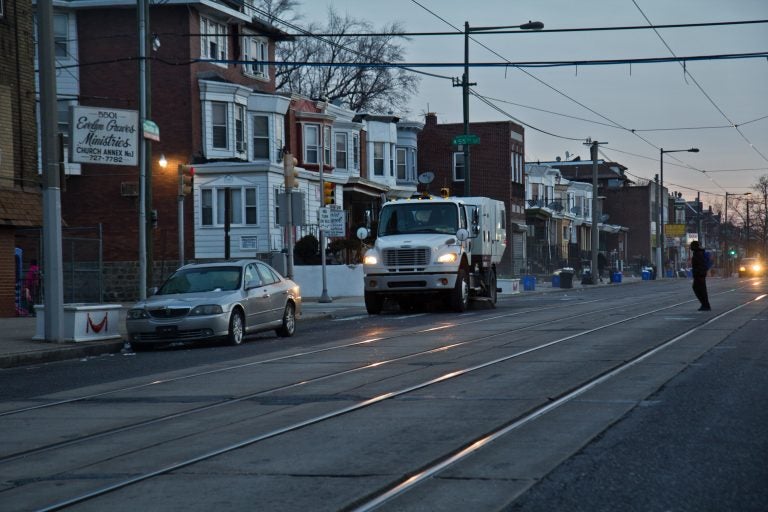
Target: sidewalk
(17,348)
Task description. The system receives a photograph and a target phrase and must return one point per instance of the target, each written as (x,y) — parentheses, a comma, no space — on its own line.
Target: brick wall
(490,167)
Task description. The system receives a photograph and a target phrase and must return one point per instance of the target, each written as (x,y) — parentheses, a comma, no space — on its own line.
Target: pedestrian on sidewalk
(699,268)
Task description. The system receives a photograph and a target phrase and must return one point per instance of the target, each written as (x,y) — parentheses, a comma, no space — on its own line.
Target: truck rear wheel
(493,292)
(373,303)
(460,293)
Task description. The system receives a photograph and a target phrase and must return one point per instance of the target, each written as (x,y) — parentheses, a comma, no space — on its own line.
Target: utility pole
(52,251)
(142,28)
(594,145)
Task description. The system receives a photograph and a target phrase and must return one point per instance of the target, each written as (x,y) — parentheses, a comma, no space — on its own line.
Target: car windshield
(419,217)
(202,279)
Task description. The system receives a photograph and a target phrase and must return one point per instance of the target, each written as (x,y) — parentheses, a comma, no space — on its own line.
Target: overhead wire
(701,89)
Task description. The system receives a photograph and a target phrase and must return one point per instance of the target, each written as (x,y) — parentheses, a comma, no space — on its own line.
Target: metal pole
(53,280)
(698,218)
(180,201)
(142,22)
(324,297)
(465,98)
(725,251)
(595,234)
(660,227)
(748,229)
(289,229)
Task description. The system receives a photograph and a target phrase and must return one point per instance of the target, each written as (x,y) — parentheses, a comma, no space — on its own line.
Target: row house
(20,198)
(496,171)
(212,94)
(559,220)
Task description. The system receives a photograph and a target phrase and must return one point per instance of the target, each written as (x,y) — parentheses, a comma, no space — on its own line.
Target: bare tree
(761,212)
(283,10)
(349,68)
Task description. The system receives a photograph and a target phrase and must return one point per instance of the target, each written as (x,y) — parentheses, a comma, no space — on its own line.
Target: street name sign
(468,139)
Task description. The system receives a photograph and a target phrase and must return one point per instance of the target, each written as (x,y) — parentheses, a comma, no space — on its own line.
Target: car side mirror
(152,291)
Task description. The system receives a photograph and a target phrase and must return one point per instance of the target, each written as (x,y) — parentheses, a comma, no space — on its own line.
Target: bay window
(312,143)
(243,206)
(260,137)
(219,125)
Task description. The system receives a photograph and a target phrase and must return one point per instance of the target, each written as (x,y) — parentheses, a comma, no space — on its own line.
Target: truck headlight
(447,258)
(370,260)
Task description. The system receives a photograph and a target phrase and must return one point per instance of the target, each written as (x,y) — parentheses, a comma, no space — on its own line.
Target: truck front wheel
(460,292)
(373,303)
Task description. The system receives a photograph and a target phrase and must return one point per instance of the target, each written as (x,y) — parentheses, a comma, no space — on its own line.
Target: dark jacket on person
(698,263)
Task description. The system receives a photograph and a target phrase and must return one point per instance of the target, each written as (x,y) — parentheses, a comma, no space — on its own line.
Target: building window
(378,158)
(2,10)
(240,144)
(250,206)
(260,137)
(402,164)
(312,143)
(243,206)
(213,41)
(341,150)
(326,145)
(279,136)
(206,203)
(256,53)
(219,124)
(61,35)
(356,151)
(62,121)
(277,206)
(458,166)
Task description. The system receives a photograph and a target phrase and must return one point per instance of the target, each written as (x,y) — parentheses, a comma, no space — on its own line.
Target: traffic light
(186,175)
(732,253)
(289,163)
(329,191)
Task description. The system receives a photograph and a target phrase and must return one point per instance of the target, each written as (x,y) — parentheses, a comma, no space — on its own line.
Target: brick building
(497,171)
(20,198)
(210,97)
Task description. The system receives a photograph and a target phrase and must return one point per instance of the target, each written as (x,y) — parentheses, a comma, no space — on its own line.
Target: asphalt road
(614,398)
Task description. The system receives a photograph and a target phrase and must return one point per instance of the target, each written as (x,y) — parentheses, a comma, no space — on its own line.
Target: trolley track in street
(397,488)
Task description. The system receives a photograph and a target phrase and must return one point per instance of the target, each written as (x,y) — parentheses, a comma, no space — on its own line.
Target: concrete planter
(84,322)
(509,286)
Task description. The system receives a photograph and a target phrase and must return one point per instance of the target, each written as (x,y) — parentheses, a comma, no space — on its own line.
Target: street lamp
(531,25)
(660,228)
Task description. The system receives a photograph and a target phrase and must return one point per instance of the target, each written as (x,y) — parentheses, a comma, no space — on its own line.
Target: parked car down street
(215,301)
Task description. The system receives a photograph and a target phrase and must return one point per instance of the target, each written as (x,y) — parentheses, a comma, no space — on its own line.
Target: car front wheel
(288,327)
(236,328)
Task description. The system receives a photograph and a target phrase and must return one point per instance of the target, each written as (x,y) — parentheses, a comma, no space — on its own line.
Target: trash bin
(566,277)
(556,280)
(646,274)
(529,283)
(616,277)
(586,277)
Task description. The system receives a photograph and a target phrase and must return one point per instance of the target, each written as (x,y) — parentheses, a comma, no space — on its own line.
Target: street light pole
(531,25)
(660,242)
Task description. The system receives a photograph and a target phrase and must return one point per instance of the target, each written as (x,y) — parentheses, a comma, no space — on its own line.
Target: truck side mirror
(362,233)
(462,234)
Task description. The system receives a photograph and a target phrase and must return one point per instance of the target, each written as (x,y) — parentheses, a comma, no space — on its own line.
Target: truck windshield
(419,217)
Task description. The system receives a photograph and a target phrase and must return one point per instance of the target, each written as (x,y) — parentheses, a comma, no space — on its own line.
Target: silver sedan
(216,301)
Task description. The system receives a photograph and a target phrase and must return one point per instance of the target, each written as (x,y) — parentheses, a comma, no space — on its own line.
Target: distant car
(751,267)
(216,301)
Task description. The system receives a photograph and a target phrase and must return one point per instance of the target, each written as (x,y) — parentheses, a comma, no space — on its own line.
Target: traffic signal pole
(324,297)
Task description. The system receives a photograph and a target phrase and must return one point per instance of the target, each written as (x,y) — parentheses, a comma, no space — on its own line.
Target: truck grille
(406,257)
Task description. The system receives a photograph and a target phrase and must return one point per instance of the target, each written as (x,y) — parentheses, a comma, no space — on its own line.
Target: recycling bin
(529,283)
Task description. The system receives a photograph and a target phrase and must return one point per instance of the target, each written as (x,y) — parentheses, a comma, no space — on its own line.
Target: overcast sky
(657,97)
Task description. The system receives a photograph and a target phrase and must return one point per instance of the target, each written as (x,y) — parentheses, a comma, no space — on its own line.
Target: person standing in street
(699,268)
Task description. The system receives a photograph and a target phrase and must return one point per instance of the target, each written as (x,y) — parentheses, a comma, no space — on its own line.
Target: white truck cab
(444,247)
